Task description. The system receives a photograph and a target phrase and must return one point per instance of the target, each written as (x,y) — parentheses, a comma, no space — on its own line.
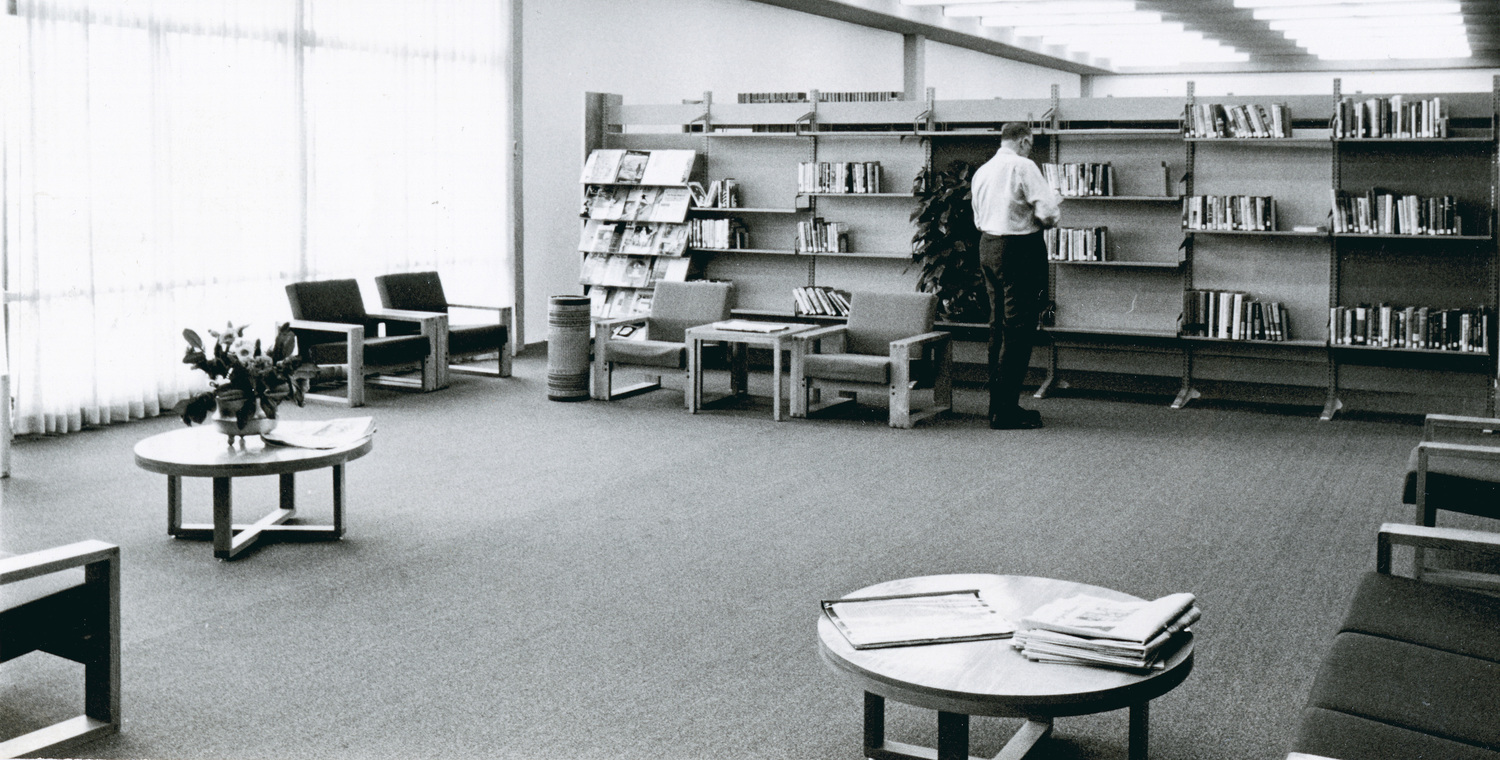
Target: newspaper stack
(1088,630)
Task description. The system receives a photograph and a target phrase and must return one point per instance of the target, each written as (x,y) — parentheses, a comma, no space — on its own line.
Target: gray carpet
(525,578)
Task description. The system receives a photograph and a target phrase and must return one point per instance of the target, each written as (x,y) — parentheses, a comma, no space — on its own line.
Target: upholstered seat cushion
(650,353)
(1470,486)
(1426,614)
(386,351)
(1412,687)
(856,368)
(474,339)
(1332,733)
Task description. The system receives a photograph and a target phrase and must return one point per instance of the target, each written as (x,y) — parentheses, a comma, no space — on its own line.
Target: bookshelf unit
(1120,319)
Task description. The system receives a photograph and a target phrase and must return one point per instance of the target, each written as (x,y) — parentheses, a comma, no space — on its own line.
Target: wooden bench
(79,622)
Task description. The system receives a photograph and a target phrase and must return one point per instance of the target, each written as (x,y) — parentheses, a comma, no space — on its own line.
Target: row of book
(820,300)
(721,193)
(1379,212)
(719,234)
(1394,117)
(1136,636)
(1233,315)
(1080,180)
(1387,326)
(820,236)
(1208,120)
(838,177)
(1229,212)
(1077,243)
(644,238)
(625,271)
(822,97)
(636,204)
(638,167)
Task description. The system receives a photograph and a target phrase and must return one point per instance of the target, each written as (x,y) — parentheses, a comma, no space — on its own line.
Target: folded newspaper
(747,325)
(1088,630)
(322,434)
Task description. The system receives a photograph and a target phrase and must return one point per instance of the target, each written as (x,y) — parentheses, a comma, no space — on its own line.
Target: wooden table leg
(223,518)
(174,505)
(338,500)
(874,723)
(289,491)
(776,381)
(953,736)
(695,376)
(1140,720)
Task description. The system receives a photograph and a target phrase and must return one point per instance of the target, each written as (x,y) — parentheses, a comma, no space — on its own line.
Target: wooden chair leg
(356,363)
(900,392)
(505,360)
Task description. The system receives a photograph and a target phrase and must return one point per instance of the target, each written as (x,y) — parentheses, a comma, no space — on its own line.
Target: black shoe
(1021,419)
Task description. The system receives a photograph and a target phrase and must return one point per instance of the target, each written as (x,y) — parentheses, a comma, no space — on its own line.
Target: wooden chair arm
(613,322)
(332,327)
(501,309)
(1434,422)
(46,561)
(1421,536)
(1458,450)
(918,340)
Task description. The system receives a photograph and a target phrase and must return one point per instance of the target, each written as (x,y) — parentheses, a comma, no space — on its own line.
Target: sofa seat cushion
(1411,687)
(649,353)
(1460,485)
(1330,733)
(856,368)
(379,351)
(474,339)
(1428,614)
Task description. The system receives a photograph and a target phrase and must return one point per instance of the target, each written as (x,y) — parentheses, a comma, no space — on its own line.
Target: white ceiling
(1142,36)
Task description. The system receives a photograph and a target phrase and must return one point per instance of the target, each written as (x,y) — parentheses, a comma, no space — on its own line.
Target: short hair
(1015,130)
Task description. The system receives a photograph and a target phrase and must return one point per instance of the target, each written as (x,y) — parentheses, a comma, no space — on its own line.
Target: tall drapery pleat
(175,163)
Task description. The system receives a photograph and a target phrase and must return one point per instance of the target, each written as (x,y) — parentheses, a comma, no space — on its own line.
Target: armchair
(423,291)
(1455,467)
(333,328)
(79,622)
(874,352)
(675,307)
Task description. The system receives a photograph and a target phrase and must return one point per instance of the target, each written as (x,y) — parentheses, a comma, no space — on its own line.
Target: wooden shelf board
(1268,233)
(758,135)
(1126,198)
(1123,264)
(1325,140)
(767,251)
(1388,140)
(858,254)
(1296,343)
(1106,133)
(735,210)
(1170,334)
(1386,236)
(1385,349)
(860,195)
(637,184)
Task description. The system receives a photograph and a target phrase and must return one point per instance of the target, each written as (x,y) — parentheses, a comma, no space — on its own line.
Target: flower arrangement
(239,371)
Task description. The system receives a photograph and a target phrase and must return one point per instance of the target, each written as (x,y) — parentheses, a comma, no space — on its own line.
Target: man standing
(1012,205)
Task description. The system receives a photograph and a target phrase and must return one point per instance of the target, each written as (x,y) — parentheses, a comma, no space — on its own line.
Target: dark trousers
(1015,276)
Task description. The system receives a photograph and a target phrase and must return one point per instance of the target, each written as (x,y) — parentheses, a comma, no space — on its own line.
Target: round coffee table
(200,452)
(991,677)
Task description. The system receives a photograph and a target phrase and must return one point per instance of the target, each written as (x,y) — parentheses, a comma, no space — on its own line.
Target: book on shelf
(938,617)
(721,193)
(1133,635)
(851,177)
(1081,180)
(1251,213)
(1394,117)
(1233,315)
(324,434)
(1381,212)
(1077,244)
(822,236)
(722,233)
(1254,120)
(820,300)
(1412,327)
(822,97)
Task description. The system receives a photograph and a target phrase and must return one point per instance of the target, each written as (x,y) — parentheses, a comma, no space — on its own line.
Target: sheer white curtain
(175,163)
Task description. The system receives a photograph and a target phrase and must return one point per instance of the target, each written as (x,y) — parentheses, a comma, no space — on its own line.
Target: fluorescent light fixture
(1346,12)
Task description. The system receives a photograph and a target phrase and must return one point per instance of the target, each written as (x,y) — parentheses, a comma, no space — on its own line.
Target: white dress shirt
(1011,197)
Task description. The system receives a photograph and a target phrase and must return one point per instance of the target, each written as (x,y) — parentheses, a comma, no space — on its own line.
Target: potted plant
(946,243)
(246,384)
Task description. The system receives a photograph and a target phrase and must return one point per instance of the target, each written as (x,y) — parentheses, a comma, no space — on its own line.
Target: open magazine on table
(321,434)
(938,617)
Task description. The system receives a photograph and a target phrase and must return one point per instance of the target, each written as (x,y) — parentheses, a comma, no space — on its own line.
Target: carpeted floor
(525,578)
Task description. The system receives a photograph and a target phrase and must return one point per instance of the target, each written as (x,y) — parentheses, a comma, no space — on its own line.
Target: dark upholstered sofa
(1414,671)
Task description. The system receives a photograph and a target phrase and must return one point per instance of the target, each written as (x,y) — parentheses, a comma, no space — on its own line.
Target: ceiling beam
(929,21)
